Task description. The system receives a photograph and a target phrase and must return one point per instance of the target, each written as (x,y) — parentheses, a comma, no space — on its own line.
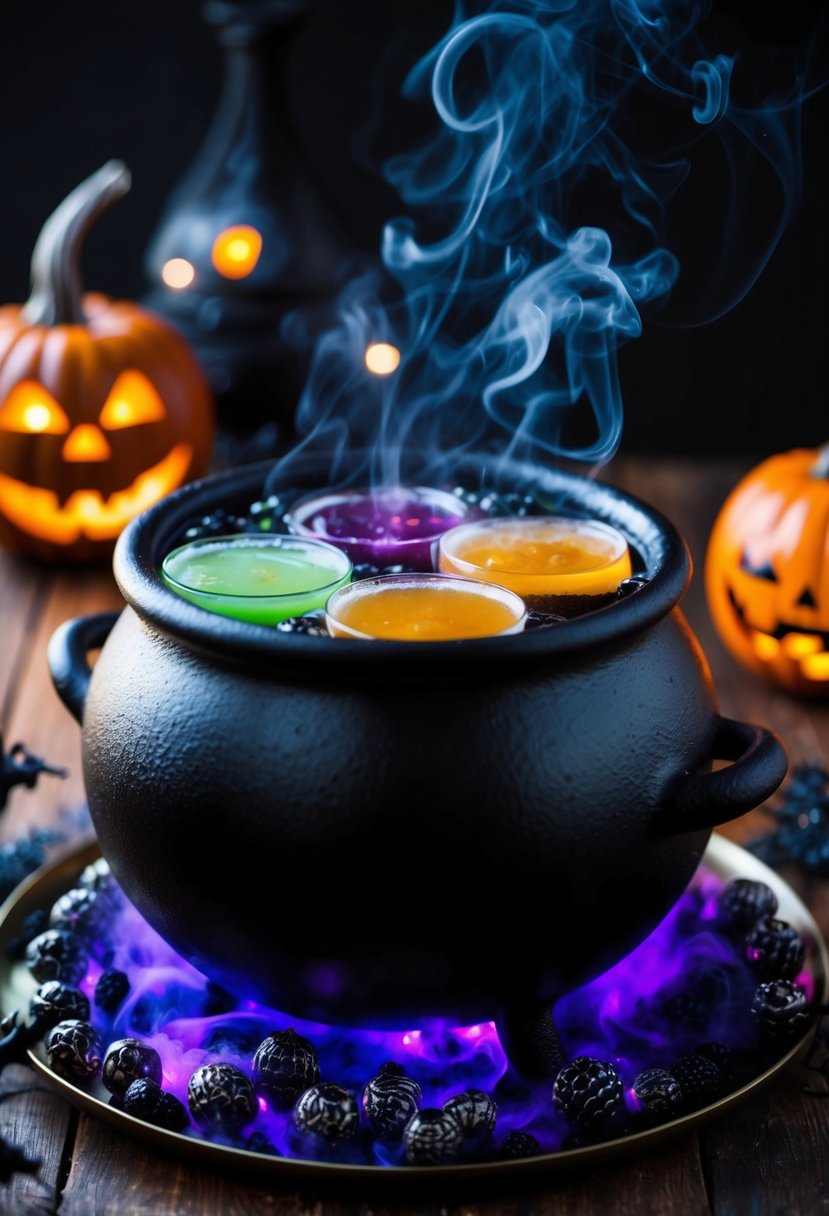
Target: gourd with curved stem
(103,408)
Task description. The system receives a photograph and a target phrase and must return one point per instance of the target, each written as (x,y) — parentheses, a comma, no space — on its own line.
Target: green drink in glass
(263,579)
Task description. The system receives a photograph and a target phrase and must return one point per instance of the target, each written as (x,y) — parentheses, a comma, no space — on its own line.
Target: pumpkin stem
(821,466)
(57,287)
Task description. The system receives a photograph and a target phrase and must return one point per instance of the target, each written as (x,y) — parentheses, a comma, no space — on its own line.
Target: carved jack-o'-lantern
(767,571)
(103,408)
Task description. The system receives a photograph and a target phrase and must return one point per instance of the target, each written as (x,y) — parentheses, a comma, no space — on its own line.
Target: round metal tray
(724,859)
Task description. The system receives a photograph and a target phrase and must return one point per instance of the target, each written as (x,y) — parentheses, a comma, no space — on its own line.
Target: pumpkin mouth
(37,511)
(808,648)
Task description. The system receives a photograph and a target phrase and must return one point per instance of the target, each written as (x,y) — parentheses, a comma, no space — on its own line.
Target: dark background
(81,82)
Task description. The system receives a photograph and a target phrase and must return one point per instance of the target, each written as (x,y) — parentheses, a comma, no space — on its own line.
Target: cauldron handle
(700,801)
(68,666)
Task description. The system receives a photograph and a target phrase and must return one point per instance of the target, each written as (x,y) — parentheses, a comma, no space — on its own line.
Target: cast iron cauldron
(378,832)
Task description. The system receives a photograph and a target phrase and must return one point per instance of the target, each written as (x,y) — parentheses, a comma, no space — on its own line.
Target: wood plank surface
(768,1156)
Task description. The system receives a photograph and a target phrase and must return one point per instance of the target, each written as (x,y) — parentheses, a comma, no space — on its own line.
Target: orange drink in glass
(557,565)
(423,608)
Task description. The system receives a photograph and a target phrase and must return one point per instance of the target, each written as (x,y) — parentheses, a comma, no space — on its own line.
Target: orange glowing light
(800,645)
(765,646)
(133,399)
(236,251)
(86,513)
(382,358)
(815,666)
(178,273)
(30,409)
(87,442)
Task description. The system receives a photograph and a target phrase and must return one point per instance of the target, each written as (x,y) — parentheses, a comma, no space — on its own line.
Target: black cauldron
(376,832)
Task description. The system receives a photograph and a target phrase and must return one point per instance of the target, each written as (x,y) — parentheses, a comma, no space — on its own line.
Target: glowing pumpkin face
(767,571)
(101,414)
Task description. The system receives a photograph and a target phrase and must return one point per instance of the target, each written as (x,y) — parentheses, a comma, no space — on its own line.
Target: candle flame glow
(236,251)
(382,358)
(178,273)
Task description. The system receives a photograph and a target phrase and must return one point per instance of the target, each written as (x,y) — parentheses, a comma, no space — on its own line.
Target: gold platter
(724,859)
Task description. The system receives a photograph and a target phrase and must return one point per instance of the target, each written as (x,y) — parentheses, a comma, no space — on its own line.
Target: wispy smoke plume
(535,244)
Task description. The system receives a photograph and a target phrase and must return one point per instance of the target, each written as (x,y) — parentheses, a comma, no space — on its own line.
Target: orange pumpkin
(767,571)
(103,408)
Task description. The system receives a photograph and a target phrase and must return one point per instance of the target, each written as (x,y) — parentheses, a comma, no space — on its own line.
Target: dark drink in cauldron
(251,789)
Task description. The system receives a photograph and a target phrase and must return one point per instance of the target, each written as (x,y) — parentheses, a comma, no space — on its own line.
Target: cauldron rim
(147,538)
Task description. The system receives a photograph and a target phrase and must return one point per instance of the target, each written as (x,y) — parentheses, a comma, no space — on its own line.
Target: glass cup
(557,565)
(262,579)
(387,526)
(423,608)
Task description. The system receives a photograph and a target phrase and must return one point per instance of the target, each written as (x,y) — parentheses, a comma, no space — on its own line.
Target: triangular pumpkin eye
(31,410)
(765,570)
(133,399)
(806,599)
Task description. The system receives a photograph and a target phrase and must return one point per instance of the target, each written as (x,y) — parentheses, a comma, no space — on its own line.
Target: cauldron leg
(529,1037)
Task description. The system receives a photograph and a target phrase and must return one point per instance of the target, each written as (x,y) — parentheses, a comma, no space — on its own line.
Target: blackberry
(364,570)
(55,1002)
(432,1137)
(146,1100)
(73,1050)
(486,502)
(57,955)
(218,523)
(721,1055)
(658,1095)
(78,911)
(699,1079)
(19,858)
(517,1145)
(685,1009)
(780,1010)
(284,1066)
(129,1060)
(329,1111)
(398,568)
(34,924)
(390,1100)
(743,901)
(629,586)
(99,879)
(588,1092)
(267,514)
(474,1110)
(775,950)
(221,1098)
(111,989)
(258,1142)
(519,504)
(304,626)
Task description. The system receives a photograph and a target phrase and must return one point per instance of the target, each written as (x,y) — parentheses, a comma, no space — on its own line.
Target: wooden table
(771,1155)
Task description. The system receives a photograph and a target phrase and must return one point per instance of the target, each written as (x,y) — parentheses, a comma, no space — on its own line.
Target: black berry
(774,949)
(284,1066)
(721,1055)
(218,523)
(474,1110)
(699,1079)
(517,1145)
(99,879)
(146,1100)
(78,911)
(111,989)
(390,1100)
(222,1098)
(267,514)
(630,585)
(743,901)
(57,955)
(129,1060)
(34,924)
(588,1092)
(73,1049)
(364,570)
(780,1010)
(55,1002)
(432,1137)
(304,626)
(686,1009)
(329,1111)
(657,1094)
